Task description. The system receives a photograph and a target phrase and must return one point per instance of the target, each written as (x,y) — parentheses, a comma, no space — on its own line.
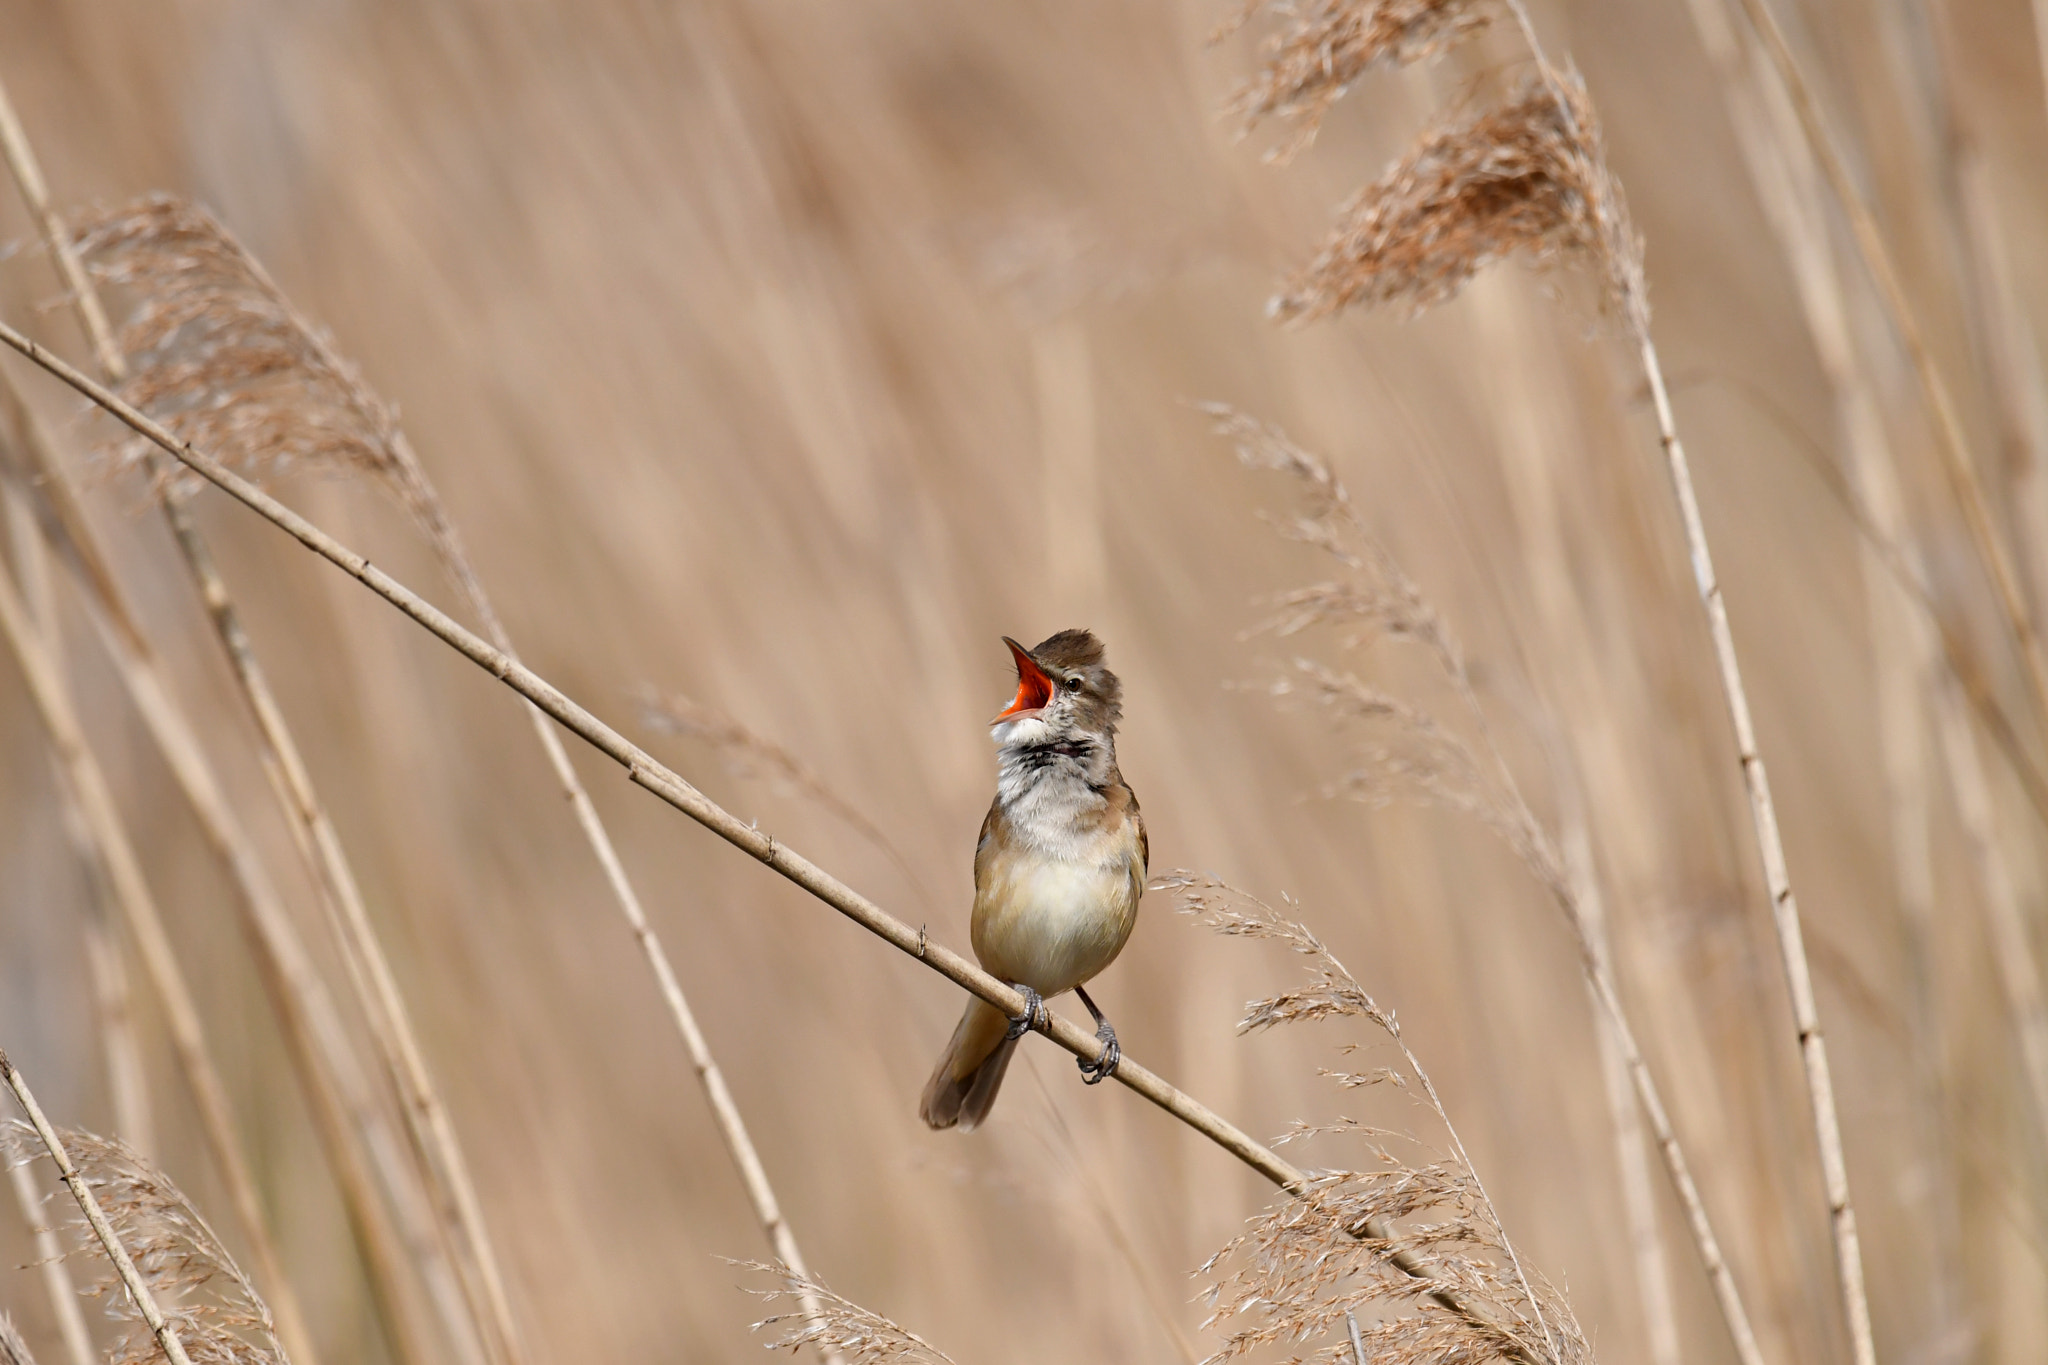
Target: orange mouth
(1034,689)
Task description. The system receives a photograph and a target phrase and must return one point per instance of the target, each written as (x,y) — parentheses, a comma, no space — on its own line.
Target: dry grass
(1318,49)
(673,306)
(1312,1264)
(832,1323)
(210,1301)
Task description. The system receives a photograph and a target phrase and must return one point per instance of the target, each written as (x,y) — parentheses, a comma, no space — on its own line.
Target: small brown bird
(1058,871)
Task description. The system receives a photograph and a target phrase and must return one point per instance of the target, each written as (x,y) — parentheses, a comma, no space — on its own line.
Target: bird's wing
(985,846)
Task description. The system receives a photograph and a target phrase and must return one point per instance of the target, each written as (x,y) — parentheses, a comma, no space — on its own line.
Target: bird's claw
(1034,1014)
(1095,1072)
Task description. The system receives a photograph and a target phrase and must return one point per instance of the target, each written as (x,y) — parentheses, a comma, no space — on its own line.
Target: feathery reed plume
(13,1350)
(1307,1267)
(1523,174)
(132,1280)
(1414,757)
(1322,47)
(219,352)
(838,1326)
(226,357)
(750,755)
(213,1304)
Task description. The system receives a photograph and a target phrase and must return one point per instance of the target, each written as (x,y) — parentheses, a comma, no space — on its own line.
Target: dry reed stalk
(1350,1225)
(1530,174)
(56,1275)
(234,363)
(1433,765)
(1820,1083)
(358,1137)
(645,771)
(346,1114)
(1951,441)
(1323,46)
(839,1327)
(353,1130)
(113,1008)
(130,890)
(1908,661)
(2006,340)
(139,1294)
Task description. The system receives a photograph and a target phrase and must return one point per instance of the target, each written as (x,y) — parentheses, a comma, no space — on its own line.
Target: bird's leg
(1097,1071)
(1034,1013)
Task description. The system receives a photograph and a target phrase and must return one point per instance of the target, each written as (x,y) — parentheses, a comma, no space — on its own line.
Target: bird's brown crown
(1071,654)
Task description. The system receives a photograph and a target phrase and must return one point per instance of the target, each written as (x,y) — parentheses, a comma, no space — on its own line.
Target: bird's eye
(1074,683)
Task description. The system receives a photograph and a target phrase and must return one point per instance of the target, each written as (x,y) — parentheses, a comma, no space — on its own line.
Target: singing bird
(1058,871)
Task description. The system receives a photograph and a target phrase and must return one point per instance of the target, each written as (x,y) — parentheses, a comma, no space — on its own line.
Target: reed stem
(138,1290)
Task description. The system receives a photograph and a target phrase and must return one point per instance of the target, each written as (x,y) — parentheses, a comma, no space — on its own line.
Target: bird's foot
(1095,1072)
(1034,1013)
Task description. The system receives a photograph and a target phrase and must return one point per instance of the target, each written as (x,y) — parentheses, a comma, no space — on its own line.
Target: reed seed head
(1347,1244)
(1320,47)
(215,1308)
(1526,174)
(222,357)
(860,1336)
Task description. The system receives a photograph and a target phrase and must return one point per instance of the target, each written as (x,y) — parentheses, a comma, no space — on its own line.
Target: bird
(1058,871)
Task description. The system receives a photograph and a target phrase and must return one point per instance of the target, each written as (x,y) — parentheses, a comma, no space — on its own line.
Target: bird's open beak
(1034,689)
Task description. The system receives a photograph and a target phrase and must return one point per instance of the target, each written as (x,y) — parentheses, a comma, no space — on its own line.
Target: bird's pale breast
(1053,919)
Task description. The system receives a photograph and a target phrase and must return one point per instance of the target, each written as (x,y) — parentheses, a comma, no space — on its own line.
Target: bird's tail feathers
(964,1084)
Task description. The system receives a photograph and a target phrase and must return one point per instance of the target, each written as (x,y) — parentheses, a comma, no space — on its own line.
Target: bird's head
(1064,692)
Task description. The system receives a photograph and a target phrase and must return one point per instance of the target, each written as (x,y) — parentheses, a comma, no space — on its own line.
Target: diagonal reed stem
(1813,1053)
(647,772)
(145,1303)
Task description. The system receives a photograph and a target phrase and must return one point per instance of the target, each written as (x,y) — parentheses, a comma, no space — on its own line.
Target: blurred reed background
(784,357)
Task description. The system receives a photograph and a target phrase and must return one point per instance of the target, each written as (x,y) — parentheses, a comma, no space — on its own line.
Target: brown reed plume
(838,1325)
(1321,47)
(219,352)
(1307,1268)
(1522,174)
(213,1305)
(1409,755)
(210,1301)
(132,1280)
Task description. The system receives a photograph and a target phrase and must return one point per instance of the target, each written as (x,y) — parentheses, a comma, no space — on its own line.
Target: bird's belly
(1052,924)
